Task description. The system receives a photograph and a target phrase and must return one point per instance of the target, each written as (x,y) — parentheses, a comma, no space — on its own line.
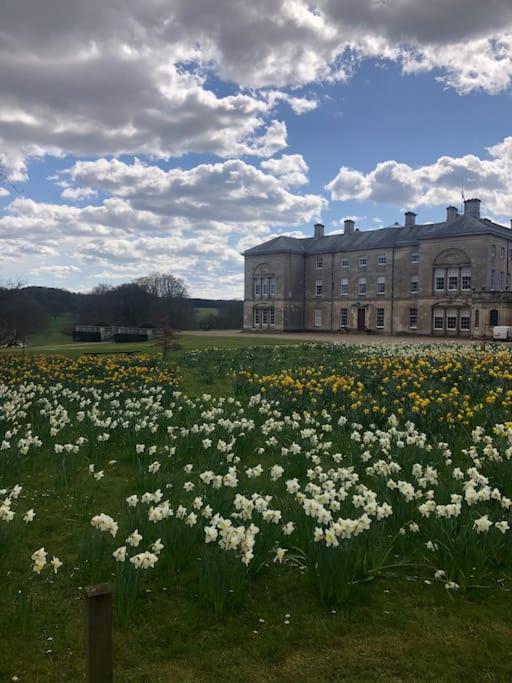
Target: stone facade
(448,279)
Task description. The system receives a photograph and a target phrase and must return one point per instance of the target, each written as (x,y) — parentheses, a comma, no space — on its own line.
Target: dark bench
(110,353)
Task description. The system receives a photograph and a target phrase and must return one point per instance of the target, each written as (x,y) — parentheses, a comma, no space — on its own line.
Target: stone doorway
(361,319)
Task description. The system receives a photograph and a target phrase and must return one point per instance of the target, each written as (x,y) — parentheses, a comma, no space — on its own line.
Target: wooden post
(98,633)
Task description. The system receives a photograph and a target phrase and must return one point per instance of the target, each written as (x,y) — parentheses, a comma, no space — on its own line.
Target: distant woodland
(156,300)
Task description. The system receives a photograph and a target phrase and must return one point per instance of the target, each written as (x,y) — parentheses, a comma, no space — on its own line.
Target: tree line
(155,300)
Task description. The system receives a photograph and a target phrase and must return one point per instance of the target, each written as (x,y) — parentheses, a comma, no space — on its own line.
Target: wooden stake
(98,625)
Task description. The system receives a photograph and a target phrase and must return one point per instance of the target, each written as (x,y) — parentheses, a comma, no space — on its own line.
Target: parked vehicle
(502,332)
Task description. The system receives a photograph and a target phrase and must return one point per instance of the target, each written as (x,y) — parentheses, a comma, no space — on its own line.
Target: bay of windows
(264,286)
(452,280)
(263,317)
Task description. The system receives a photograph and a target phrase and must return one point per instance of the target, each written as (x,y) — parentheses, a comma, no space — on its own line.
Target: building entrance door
(361,319)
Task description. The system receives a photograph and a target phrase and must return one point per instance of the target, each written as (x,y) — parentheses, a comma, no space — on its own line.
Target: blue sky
(174,138)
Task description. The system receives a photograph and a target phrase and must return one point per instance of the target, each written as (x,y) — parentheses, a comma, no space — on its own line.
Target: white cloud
(121,76)
(58,272)
(189,222)
(433,184)
(291,169)
(231,191)
(77,193)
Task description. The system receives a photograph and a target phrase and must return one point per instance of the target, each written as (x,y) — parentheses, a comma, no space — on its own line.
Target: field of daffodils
(335,465)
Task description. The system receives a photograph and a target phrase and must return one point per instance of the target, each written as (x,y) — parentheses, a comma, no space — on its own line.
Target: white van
(502,333)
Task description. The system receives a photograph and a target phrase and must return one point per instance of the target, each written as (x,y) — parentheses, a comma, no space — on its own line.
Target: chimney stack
(451,214)
(319,230)
(472,208)
(349,226)
(410,219)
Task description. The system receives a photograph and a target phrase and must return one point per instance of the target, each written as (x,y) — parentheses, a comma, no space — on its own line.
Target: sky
(172,135)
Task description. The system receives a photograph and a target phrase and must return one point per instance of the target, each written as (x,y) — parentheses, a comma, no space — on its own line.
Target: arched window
(264,282)
(493,317)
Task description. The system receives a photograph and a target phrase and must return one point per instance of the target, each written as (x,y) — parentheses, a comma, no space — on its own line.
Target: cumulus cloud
(400,184)
(124,77)
(231,191)
(189,222)
(291,169)
(58,272)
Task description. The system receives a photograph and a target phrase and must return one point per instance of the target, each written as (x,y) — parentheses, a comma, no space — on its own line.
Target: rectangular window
(318,317)
(345,263)
(413,318)
(344,286)
(319,287)
(493,279)
(502,280)
(379,318)
(319,261)
(272,286)
(343,317)
(381,285)
(451,320)
(439,280)
(477,318)
(264,286)
(414,285)
(362,286)
(453,279)
(381,260)
(362,262)
(502,252)
(264,316)
(465,275)
(493,250)
(257,286)
(438,321)
(257,316)
(415,257)
(465,320)
(272,316)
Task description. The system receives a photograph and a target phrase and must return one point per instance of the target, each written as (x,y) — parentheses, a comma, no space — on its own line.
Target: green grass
(189,342)
(202,313)
(53,334)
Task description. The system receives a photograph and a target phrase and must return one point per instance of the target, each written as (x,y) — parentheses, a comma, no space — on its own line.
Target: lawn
(51,343)
(53,334)
(323,431)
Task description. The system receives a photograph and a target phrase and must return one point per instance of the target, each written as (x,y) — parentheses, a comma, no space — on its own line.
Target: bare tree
(163,285)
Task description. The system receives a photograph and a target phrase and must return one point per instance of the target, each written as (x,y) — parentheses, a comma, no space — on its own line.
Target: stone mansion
(450,278)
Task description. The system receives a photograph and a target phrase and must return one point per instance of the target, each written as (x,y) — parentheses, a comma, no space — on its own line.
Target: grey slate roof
(394,236)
